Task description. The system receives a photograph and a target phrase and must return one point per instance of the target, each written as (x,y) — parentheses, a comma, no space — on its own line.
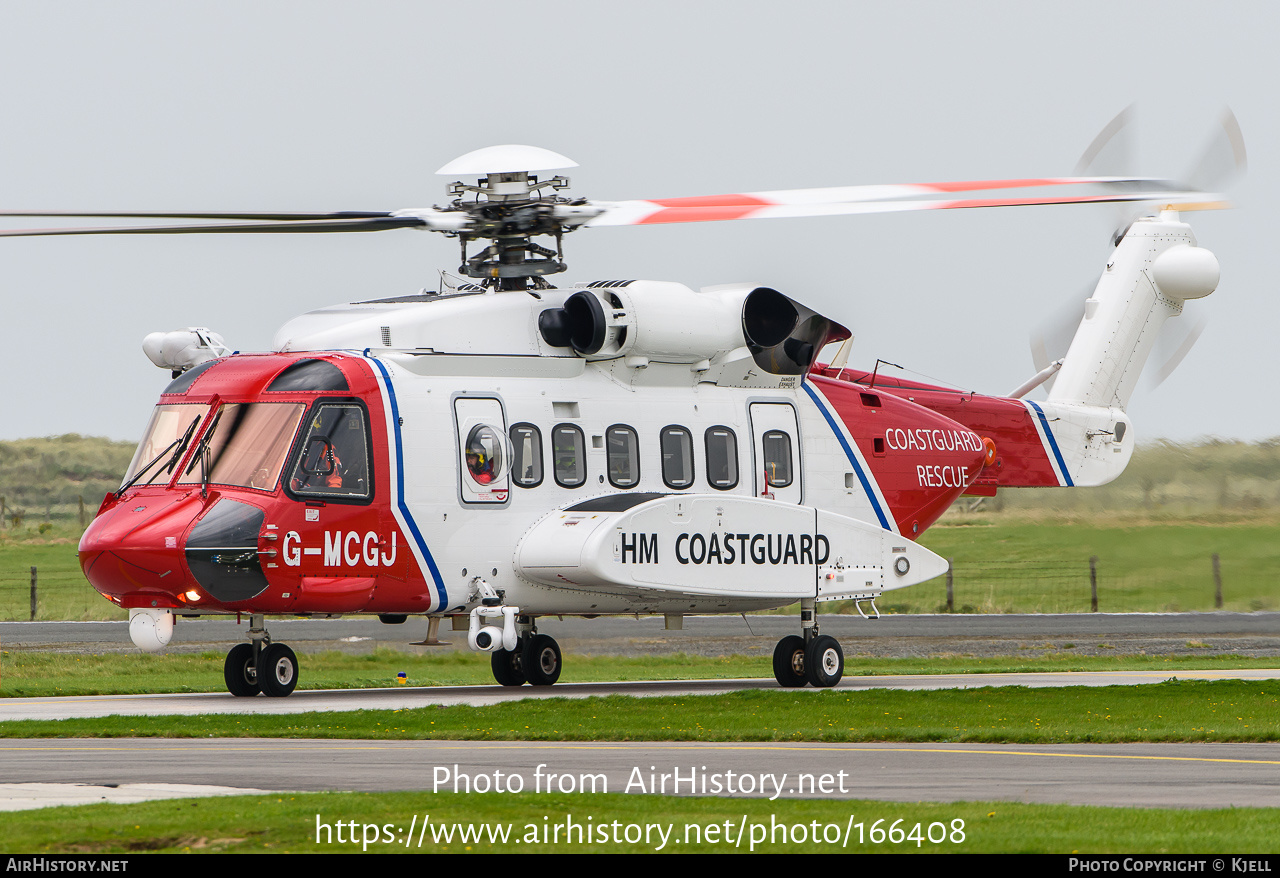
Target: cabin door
(484,453)
(775,452)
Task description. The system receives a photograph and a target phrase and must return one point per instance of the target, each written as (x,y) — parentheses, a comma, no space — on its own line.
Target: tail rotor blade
(1223,157)
(1171,354)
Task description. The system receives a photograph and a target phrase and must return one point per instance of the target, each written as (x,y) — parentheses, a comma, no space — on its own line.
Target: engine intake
(669,323)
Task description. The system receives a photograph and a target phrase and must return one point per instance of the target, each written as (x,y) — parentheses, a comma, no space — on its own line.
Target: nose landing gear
(260,666)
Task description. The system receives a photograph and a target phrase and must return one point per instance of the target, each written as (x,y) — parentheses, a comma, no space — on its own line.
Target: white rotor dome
(506,159)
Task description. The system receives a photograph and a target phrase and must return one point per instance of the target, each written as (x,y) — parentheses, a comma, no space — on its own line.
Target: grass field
(1176,710)
(305,823)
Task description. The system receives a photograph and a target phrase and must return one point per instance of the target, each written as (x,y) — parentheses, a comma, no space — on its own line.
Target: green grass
(37,673)
(1180,710)
(287,823)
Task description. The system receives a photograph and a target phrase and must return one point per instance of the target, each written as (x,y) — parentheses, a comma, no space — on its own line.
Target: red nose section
(133,551)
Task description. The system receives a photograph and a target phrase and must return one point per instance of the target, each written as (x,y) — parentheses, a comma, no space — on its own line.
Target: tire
(508,666)
(240,672)
(789,661)
(540,660)
(277,670)
(824,661)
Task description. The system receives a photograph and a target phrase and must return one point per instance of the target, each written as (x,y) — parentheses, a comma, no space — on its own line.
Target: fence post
(951,603)
(33,594)
(82,511)
(1217,583)
(1093,583)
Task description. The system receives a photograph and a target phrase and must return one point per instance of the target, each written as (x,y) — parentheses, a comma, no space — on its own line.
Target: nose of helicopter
(134,547)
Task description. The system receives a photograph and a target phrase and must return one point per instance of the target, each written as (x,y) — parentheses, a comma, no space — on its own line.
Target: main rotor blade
(375,224)
(628,213)
(890,192)
(341,214)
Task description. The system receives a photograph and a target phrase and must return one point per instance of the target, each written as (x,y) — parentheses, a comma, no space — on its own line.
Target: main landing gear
(260,665)
(813,658)
(535,660)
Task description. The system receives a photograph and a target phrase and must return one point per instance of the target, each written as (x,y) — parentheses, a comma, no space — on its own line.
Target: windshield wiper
(201,454)
(181,446)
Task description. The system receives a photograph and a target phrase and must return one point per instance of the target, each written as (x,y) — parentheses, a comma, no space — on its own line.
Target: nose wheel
(241,671)
(260,666)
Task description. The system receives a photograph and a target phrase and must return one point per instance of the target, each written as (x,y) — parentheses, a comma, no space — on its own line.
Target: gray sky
(325,105)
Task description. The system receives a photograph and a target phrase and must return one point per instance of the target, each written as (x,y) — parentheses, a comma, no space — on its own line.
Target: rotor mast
(509,210)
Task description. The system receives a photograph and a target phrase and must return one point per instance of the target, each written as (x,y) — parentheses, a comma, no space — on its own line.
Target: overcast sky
(326,105)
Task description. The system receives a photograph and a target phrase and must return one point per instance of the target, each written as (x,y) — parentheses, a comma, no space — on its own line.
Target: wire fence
(1090,585)
(53,595)
(987,587)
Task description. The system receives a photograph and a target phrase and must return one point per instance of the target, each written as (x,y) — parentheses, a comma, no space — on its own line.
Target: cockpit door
(775,452)
(483,451)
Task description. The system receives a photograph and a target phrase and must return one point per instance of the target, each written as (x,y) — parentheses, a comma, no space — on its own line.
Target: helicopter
(503,449)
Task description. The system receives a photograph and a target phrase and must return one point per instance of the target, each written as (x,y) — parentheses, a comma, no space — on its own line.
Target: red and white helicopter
(617,447)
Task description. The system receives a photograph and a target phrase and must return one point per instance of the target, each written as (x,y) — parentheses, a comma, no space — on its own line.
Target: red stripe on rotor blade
(710,213)
(711,201)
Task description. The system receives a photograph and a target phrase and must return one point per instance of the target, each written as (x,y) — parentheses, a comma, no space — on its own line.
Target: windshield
(245,445)
(163,444)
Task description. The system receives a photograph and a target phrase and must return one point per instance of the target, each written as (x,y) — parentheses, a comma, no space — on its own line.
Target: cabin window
(569,450)
(722,458)
(526,454)
(332,461)
(677,457)
(245,445)
(777,458)
(623,453)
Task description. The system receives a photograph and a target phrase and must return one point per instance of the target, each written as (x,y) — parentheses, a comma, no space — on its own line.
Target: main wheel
(789,660)
(540,660)
(277,670)
(824,661)
(508,666)
(240,672)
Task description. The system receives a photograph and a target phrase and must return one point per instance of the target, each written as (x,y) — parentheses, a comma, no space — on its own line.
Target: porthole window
(777,458)
(486,459)
(677,457)
(722,458)
(623,454)
(526,455)
(569,451)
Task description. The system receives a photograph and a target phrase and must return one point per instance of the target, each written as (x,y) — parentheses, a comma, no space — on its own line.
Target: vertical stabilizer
(1154,269)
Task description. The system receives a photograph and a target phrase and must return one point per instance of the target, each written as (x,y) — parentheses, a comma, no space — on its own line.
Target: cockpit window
(333,457)
(183,382)
(162,447)
(245,445)
(309,375)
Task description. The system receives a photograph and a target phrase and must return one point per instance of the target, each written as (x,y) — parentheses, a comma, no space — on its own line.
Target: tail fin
(1155,268)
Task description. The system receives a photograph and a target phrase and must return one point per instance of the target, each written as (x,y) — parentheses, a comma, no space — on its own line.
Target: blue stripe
(848,452)
(1062,466)
(404,509)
